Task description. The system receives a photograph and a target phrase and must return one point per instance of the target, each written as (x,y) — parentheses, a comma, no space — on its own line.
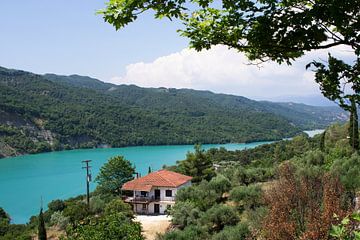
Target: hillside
(51,112)
(301,115)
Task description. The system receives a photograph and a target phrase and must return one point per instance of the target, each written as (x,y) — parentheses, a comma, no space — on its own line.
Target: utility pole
(88,179)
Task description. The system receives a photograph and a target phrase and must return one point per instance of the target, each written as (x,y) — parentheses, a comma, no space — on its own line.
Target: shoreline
(107,146)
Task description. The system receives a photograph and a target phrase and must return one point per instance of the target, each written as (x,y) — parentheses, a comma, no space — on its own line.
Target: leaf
(345,221)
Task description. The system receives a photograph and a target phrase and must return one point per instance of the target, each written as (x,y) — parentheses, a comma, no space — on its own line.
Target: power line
(88,180)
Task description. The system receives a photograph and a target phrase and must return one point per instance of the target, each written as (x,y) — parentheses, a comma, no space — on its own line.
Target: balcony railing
(142,199)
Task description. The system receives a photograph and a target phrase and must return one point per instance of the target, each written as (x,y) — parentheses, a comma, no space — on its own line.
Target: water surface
(24,180)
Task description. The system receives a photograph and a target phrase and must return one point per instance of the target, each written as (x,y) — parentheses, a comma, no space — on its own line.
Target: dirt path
(153,224)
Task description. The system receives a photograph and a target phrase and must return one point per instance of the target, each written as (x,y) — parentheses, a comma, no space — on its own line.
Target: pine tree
(41,227)
(322,141)
(353,127)
(149,171)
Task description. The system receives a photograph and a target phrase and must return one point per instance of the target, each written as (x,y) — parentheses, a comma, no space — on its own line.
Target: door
(156,208)
(157,194)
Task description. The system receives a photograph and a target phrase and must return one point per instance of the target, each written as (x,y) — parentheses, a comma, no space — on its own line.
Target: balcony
(142,199)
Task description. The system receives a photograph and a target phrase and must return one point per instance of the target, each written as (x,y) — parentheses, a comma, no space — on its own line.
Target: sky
(68,37)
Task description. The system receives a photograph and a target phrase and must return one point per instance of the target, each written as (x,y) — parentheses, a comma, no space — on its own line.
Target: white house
(155,192)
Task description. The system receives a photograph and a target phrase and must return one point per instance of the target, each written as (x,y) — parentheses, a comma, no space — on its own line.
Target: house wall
(164,201)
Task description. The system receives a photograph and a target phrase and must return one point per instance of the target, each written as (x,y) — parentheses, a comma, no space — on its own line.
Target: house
(155,192)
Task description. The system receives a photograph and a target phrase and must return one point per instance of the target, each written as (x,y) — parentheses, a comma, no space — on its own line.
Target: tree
(353,127)
(149,170)
(4,222)
(267,30)
(302,206)
(114,174)
(76,211)
(322,141)
(219,216)
(56,205)
(41,227)
(119,206)
(198,165)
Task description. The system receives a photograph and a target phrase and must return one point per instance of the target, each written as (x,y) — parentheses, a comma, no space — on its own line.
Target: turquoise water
(24,180)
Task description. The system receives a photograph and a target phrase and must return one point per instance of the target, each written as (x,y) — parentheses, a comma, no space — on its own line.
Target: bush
(109,227)
(219,216)
(192,232)
(56,205)
(76,211)
(238,232)
(59,220)
(184,214)
(119,206)
(220,184)
(247,196)
(201,195)
(97,204)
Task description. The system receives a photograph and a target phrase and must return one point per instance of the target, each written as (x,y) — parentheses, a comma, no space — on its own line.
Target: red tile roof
(161,178)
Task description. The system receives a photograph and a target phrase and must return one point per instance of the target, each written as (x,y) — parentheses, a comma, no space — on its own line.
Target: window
(168,193)
(143,194)
(144,206)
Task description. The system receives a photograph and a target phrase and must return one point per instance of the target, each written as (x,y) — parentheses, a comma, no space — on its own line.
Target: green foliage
(249,197)
(220,184)
(84,115)
(198,165)
(219,216)
(317,184)
(41,227)
(97,204)
(347,229)
(4,222)
(348,168)
(112,227)
(193,232)
(119,206)
(114,174)
(76,211)
(238,232)
(354,127)
(184,213)
(18,232)
(280,31)
(59,220)
(56,205)
(201,195)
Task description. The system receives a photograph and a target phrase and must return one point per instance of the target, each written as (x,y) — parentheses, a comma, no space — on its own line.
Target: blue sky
(67,37)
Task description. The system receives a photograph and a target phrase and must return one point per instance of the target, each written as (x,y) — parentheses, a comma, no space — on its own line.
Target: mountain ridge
(53,112)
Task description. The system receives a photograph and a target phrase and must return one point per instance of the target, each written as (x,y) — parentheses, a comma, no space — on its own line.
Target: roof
(161,178)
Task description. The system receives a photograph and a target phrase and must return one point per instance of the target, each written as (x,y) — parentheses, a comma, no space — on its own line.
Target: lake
(24,180)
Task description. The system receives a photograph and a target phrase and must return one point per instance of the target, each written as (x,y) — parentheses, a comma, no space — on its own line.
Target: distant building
(155,192)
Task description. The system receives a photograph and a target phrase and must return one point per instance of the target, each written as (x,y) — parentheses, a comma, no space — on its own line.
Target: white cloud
(227,71)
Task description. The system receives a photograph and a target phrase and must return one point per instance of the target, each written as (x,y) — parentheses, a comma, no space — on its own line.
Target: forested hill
(51,112)
(301,115)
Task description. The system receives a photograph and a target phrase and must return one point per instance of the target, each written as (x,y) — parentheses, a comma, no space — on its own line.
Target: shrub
(59,220)
(184,214)
(192,232)
(220,184)
(247,196)
(238,232)
(76,211)
(97,204)
(56,205)
(219,216)
(119,206)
